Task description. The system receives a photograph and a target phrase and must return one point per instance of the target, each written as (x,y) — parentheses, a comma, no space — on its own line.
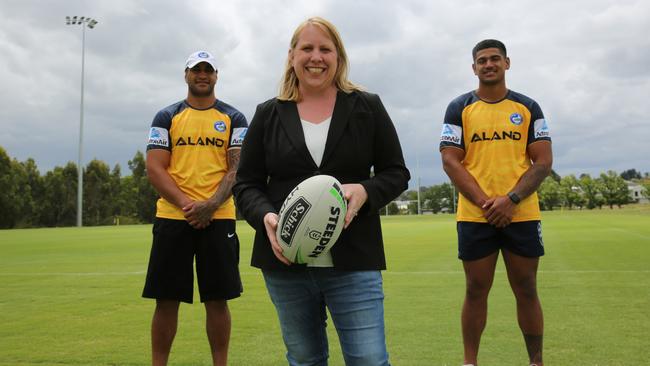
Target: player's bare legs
(163,330)
(217,325)
(479,275)
(522,274)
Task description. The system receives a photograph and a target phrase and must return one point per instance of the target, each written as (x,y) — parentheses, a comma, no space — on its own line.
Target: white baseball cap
(198,57)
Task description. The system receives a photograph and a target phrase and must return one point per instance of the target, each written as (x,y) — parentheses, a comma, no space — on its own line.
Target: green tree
(631,174)
(413,207)
(24,205)
(10,201)
(447,193)
(143,195)
(571,192)
(412,198)
(439,197)
(35,183)
(392,209)
(430,199)
(98,199)
(613,189)
(127,202)
(591,190)
(16,201)
(59,205)
(411,195)
(121,189)
(549,193)
(22,190)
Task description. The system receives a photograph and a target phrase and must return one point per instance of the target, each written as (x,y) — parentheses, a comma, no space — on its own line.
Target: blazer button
(317,172)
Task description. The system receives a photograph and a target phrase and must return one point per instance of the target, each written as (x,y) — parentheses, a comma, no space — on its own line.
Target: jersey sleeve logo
(159,137)
(238,135)
(451,133)
(541,129)
(516,119)
(220,126)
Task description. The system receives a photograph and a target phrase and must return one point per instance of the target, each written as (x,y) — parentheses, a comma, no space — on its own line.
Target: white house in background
(636,192)
(402,205)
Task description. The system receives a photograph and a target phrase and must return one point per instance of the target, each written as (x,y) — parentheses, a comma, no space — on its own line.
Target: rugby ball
(311,219)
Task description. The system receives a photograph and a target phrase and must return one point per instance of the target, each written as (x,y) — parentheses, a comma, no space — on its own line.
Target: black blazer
(275,158)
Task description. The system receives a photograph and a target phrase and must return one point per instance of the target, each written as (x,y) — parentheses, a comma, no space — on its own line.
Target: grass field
(71,296)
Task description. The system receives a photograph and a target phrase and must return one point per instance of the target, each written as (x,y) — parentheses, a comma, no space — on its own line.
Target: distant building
(402,205)
(636,192)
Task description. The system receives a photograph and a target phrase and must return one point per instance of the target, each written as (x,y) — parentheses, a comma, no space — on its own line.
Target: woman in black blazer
(321,123)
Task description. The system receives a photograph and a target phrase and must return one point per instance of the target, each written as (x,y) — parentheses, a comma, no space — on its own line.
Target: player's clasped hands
(498,211)
(198,213)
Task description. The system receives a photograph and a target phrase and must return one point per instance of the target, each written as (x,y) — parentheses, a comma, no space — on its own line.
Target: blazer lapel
(290,121)
(340,117)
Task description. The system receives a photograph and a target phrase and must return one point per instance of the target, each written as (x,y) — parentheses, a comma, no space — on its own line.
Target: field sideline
(71,296)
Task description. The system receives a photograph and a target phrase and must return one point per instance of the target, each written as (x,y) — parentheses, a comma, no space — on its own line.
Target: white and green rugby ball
(311,219)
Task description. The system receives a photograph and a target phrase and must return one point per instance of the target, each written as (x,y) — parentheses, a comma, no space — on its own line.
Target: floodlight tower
(417,159)
(90,23)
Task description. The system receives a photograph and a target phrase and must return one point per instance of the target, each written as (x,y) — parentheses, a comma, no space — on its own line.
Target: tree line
(571,192)
(29,199)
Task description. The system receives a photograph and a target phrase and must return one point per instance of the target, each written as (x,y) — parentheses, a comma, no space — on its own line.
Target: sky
(586,62)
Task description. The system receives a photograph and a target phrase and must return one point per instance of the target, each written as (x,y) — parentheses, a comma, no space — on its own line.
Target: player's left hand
(356,196)
(499,211)
(198,214)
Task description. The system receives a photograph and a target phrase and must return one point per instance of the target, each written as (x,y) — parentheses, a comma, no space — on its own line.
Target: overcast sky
(587,63)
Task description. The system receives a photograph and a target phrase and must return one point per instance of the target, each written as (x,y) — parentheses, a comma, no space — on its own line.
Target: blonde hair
(289,83)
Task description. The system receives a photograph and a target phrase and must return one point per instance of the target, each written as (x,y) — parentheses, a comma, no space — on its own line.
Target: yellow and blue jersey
(198,140)
(495,137)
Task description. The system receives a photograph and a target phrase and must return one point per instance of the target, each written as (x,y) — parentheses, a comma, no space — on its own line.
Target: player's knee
(525,288)
(476,290)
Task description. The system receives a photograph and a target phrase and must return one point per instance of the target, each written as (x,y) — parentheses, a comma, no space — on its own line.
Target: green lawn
(71,296)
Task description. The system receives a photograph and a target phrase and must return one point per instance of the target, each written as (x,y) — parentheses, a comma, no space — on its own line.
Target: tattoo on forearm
(233,159)
(531,180)
(225,187)
(534,347)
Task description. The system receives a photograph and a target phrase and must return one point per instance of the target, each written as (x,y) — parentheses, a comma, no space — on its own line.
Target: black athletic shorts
(477,240)
(171,264)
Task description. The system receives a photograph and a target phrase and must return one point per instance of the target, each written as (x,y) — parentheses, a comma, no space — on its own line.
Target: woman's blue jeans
(355,300)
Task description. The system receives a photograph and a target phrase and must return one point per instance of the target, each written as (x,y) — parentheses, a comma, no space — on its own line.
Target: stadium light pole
(90,23)
(417,160)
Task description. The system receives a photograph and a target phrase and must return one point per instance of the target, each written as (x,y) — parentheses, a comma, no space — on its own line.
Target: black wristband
(514,198)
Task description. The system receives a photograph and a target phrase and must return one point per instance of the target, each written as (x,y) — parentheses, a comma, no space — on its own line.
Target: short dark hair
(489,43)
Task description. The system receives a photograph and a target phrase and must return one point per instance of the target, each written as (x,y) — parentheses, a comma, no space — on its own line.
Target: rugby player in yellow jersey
(496,148)
(192,158)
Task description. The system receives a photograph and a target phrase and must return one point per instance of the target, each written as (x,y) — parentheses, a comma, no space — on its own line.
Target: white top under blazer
(315,139)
